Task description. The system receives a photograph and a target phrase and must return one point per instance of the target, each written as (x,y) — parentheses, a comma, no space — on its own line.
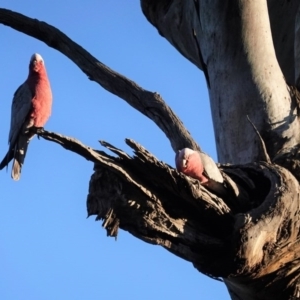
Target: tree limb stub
(269,253)
(150,104)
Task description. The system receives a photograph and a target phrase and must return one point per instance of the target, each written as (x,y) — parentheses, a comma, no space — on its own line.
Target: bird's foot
(37,130)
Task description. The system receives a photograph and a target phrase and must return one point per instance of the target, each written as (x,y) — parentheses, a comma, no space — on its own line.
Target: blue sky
(48,249)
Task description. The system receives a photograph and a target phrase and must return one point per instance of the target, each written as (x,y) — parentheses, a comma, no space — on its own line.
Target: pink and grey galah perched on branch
(200,166)
(31,108)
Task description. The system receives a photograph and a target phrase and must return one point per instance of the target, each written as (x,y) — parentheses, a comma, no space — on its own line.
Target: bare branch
(150,104)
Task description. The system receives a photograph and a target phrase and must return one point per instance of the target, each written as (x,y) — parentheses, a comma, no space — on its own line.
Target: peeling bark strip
(269,252)
(251,235)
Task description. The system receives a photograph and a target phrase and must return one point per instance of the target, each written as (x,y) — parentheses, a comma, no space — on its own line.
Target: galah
(31,108)
(200,166)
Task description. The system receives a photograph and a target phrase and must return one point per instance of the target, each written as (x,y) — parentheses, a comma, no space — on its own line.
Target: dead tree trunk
(249,236)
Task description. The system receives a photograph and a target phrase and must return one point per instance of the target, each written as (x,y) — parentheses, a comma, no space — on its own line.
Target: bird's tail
(19,156)
(8,157)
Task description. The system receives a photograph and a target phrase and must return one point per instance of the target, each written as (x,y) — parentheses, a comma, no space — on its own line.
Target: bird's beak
(35,66)
(184,163)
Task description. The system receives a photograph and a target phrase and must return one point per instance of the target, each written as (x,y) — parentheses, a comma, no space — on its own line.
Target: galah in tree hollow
(31,107)
(200,166)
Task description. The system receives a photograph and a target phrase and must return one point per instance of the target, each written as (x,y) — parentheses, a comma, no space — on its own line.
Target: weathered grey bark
(250,235)
(232,38)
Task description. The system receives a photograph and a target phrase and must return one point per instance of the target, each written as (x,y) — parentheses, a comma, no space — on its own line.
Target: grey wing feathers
(20,108)
(211,168)
(216,181)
